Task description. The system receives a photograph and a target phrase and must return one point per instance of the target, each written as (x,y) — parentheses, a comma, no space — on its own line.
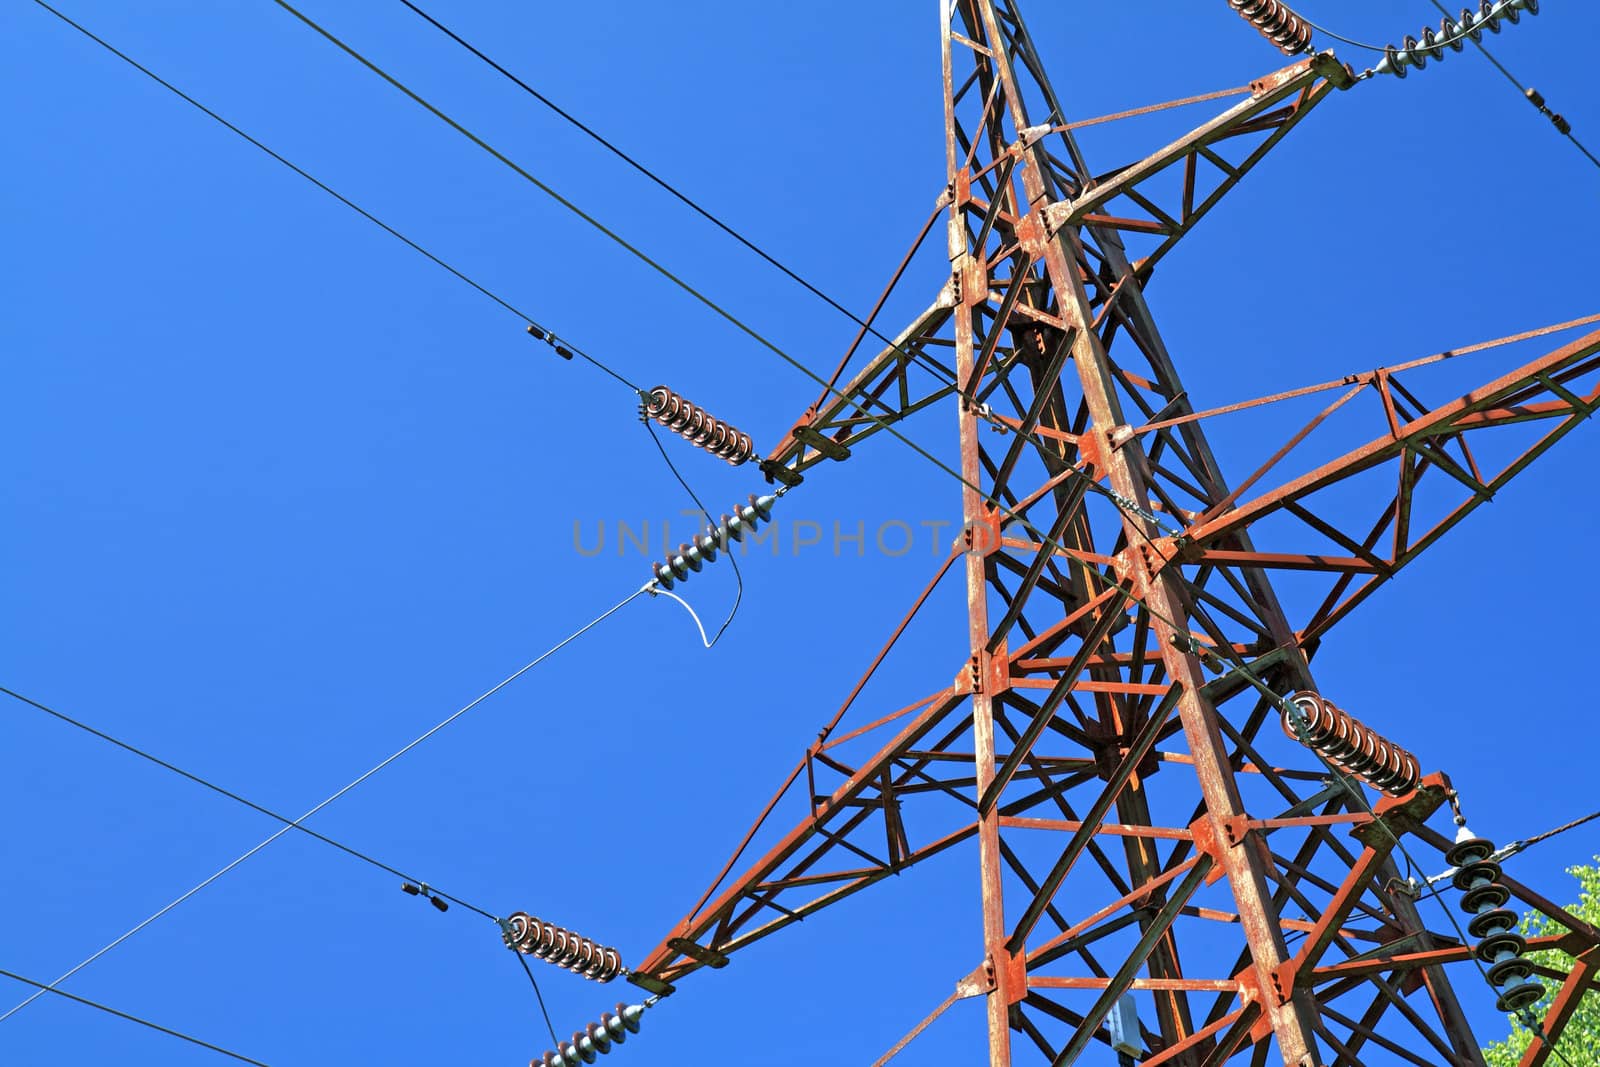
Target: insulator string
(1414,52)
(561,947)
(596,1039)
(1277,22)
(692,556)
(1356,747)
(697,426)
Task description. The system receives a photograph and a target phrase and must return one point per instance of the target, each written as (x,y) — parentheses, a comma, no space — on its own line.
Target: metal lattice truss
(1142,824)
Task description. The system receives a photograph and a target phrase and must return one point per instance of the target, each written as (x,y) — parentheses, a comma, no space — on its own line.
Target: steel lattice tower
(1101,745)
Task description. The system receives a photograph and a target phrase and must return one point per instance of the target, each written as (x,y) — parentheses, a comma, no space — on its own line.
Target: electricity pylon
(1108,743)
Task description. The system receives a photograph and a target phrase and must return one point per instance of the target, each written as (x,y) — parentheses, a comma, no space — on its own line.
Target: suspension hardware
(699,953)
(1415,52)
(695,425)
(1277,22)
(1349,744)
(596,1039)
(691,557)
(562,947)
(421,890)
(777,472)
(824,444)
(1500,947)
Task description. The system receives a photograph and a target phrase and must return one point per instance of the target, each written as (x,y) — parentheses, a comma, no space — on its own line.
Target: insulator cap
(1497,948)
(1472,875)
(1469,849)
(1511,970)
(1482,898)
(1518,997)
(1493,921)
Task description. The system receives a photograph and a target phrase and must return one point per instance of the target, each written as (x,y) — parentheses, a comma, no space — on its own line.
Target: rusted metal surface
(1097,743)
(1565,1005)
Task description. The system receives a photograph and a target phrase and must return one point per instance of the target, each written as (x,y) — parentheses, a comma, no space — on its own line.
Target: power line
(671,189)
(718,309)
(638,253)
(246,801)
(1339,37)
(1563,828)
(1349,785)
(1123,503)
(1530,95)
(561,345)
(666,273)
(715,307)
(1239,665)
(295,823)
(43,989)
(538,995)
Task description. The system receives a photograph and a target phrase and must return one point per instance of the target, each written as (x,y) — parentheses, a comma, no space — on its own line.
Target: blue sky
(282,494)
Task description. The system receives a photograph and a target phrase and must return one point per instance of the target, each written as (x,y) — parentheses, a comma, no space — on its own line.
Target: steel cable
(295,823)
(549,337)
(246,801)
(1526,93)
(676,280)
(43,989)
(672,190)
(1125,505)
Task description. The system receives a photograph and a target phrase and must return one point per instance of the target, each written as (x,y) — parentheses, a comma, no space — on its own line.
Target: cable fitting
(1537,100)
(540,333)
(421,889)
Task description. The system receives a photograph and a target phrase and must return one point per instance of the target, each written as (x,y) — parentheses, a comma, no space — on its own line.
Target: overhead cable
(1518,846)
(538,995)
(1531,95)
(246,801)
(562,346)
(295,823)
(43,989)
(666,273)
(669,188)
(726,314)
(1468,26)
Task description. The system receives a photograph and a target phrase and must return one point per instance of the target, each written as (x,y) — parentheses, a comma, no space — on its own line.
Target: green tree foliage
(1580,1041)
